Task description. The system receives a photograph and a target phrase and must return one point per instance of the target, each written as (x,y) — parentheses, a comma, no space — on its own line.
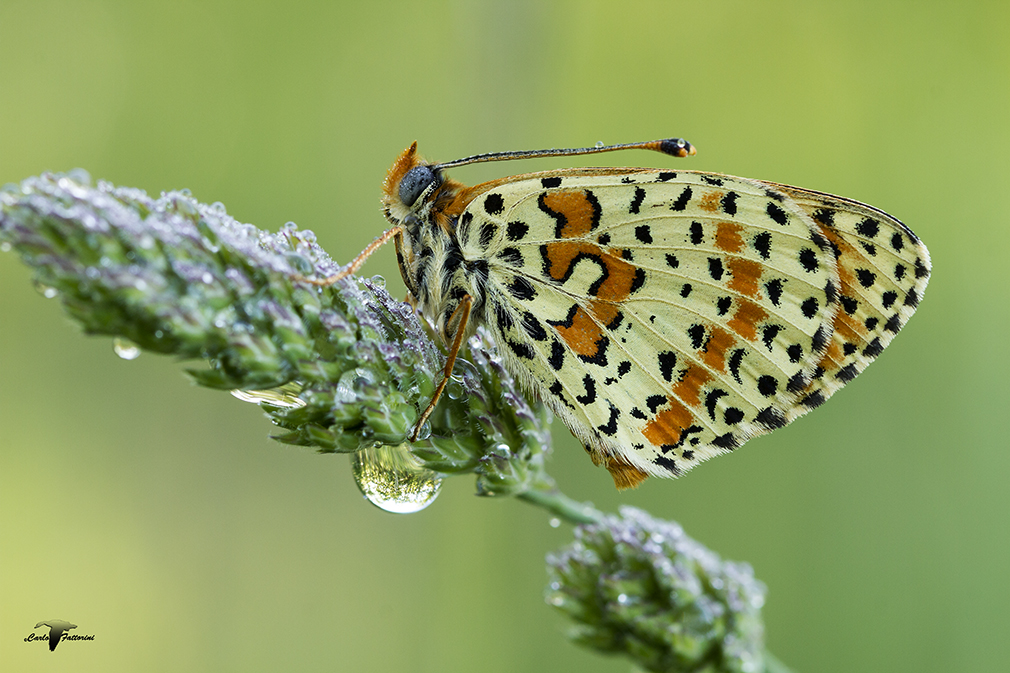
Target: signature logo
(58,631)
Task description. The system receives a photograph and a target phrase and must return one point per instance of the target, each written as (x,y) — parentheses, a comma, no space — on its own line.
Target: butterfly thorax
(434,268)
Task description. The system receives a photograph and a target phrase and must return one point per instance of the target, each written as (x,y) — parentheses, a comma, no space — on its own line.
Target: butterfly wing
(883,271)
(665,317)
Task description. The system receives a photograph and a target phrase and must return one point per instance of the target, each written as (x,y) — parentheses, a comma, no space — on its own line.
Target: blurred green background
(159,517)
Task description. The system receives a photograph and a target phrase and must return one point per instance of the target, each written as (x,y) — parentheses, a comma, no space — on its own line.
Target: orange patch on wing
(579,213)
(746,274)
(561,255)
(710,201)
(728,238)
(745,320)
(688,389)
(714,354)
(624,473)
(620,277)
(669,424)
(604,311)
(583,336)
(848,328)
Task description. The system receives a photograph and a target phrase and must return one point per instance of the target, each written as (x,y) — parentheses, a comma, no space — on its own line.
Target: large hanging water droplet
(281,396)
(125,348)
(392,479)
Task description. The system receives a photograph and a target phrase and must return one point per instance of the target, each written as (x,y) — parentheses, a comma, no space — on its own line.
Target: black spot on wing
(868,227)
(712,399)
(487,233)
(697,334)
(825,216)
(729,203)
(550,183)
(849,304)
(667,464)
(697,233)
(590,386)
(494,204)
(866,277)
(723,305)
(516,231)
(727,441)
(778,215)
(534,328)
(771,418)
(847,373)
(768,385)
(521,289)
(654,402)
(774,290)
(610,427)
(521,350)
(715,269)
(808,259)
(735,359)
(667,362)
(557,358)
(732,416)
(813,400)
(511,256)
(768,334)
(636,202)
(682,200)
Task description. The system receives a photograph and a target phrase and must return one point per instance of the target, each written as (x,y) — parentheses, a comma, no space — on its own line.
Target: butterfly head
(411,188)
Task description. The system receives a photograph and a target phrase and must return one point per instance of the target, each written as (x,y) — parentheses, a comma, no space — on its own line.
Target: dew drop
(45,290)
(623,599)
(554,522)
(5,247)
(379,282)
(282,396)
(350,383)
(600,143)
(557,601)
(392,479)
(125,348)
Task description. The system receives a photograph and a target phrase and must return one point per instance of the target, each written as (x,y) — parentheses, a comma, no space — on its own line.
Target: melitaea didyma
(665,316)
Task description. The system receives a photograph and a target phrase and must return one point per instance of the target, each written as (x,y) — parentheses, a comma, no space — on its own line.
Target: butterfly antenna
(675,147)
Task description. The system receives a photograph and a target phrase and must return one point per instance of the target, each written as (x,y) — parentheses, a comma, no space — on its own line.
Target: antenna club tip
(677,147)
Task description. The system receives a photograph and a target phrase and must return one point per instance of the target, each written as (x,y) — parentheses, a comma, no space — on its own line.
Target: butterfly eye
(415,182)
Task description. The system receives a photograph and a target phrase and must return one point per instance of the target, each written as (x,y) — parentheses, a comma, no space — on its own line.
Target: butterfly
(665,316)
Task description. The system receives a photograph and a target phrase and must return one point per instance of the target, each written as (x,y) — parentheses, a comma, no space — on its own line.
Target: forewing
(883,270)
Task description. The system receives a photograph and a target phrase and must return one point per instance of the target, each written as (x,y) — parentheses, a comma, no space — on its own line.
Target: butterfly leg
(359,261)
(463,311)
